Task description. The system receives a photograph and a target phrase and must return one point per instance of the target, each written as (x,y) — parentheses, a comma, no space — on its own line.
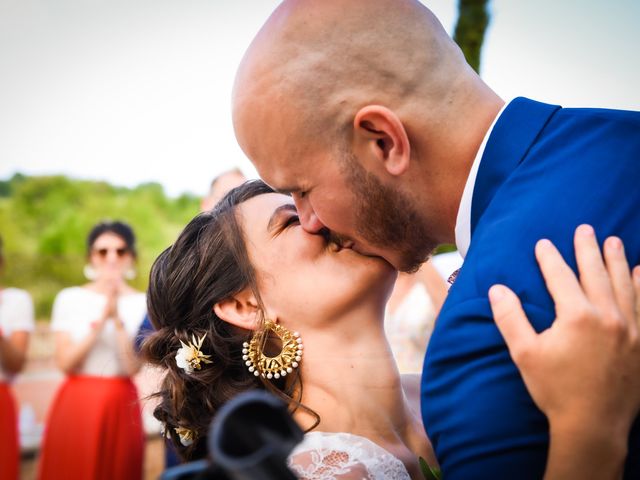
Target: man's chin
(413,264)
(373,256)
(406,264)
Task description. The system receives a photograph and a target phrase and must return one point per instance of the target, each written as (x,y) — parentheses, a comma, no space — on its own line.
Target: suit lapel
(513,135)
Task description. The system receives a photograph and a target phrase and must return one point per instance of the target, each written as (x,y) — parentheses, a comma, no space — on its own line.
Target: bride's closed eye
(282,218)
(292,220)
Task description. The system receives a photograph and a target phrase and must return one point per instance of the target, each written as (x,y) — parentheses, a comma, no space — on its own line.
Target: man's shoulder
(612,114)
(523,114)
(524,105)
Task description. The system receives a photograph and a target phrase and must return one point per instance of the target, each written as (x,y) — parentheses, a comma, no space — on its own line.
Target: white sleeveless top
(334,456)
(16,315)
(76,308)
(409,328)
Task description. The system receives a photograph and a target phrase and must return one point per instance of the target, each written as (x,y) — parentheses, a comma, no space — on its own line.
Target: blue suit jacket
(545,170)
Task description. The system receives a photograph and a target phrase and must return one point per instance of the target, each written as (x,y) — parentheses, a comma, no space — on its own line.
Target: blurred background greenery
(45,220)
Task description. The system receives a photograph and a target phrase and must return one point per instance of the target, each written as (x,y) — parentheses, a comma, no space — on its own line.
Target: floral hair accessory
(189,357)
(186,436)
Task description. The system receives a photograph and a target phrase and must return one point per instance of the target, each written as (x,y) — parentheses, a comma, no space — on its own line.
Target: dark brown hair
(121,229)
(207,264)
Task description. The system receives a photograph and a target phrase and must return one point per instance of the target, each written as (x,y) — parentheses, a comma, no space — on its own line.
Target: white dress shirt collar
(463,221)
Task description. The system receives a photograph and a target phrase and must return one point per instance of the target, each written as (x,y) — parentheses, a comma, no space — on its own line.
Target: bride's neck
(350,379)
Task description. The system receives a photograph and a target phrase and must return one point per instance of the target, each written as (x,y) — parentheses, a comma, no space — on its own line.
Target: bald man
(368,115)
(220,185)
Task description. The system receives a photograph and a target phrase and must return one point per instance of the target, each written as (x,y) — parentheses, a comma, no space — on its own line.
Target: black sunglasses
(102,252)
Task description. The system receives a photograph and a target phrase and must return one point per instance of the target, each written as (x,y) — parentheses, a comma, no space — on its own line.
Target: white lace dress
(343,456)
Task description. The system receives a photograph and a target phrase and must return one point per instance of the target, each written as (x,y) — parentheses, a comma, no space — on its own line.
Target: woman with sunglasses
(94,428)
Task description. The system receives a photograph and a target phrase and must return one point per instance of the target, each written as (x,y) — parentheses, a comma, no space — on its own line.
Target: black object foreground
(249,439)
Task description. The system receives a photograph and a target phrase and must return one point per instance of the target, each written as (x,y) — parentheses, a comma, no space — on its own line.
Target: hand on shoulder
(584,371)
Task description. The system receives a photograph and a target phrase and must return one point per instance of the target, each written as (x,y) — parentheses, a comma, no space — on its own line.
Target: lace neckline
(352,436)
(329,455)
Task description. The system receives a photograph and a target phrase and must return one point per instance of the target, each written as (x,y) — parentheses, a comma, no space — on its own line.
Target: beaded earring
(279,365)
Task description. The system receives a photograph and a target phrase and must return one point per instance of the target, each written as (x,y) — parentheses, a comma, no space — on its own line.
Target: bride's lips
(347,244)
(336,246)
(335,243)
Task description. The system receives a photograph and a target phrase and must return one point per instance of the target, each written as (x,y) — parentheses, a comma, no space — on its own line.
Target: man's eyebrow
(276,213)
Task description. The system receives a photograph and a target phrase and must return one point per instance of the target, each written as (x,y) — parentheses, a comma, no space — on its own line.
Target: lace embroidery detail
(342,456)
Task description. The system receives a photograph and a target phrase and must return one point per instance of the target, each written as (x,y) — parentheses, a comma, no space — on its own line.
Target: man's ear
(381,133)
(240,310)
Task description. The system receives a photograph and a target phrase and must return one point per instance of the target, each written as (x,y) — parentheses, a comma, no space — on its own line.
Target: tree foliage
(473,19)
(44,222)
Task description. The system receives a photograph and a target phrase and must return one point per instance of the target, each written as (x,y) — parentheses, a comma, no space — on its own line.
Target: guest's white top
(334,456)
(408,328)
(76,308)
(16,315)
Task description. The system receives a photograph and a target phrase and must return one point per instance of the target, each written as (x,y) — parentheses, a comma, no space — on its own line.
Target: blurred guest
(16,323)
(94,430)
(410,315)
(220,186)
(448,264)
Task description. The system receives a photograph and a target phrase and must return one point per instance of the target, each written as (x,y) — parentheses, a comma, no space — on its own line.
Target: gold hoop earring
(279,365)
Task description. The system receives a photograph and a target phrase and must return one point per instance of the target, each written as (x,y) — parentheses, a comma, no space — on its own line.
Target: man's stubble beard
(386,217)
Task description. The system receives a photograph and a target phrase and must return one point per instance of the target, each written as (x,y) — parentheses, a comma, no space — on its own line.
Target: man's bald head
(317,62)
(332,87)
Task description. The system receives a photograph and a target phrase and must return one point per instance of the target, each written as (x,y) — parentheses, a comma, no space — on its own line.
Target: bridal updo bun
(207,264)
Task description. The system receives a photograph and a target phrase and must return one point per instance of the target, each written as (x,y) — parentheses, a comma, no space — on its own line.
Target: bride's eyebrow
(276,213)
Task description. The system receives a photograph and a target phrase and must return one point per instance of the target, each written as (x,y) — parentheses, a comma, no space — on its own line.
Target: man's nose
(308,218)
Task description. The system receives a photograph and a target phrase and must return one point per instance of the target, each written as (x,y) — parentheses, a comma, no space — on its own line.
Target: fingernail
(544,243)
(496,293)
(585,230)
(636,274)
(615,243)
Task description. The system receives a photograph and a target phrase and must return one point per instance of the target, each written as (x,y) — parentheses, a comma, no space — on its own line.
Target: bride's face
(301,276)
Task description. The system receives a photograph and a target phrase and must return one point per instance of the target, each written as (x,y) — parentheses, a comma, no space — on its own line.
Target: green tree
(473,19)
(44,222)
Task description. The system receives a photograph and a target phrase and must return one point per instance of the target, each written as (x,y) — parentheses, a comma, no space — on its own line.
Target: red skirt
(9,454)
(94,431)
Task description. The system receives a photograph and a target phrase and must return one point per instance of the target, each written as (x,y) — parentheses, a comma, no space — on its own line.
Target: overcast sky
(134,91)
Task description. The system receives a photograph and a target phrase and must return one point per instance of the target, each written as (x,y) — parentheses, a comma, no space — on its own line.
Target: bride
(247,299)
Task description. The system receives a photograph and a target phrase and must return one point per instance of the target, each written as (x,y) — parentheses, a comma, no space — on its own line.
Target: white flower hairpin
(190,357)
(186,436)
